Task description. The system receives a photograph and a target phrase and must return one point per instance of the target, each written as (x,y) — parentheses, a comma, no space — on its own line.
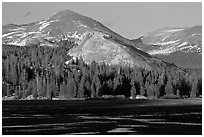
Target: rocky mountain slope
(95,41)
(182,46)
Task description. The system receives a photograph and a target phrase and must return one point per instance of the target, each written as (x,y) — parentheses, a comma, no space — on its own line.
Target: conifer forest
(45,73)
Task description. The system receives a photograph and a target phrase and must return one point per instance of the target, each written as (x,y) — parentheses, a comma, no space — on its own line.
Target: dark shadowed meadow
(106,117)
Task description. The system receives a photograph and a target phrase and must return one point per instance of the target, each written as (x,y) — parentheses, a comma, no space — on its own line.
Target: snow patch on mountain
(18,43)
(17,29)
(182,44)
(196,34)
(165,43)
(8,34)
(53,21)
(162,52)
(174,30)
(83,26)
(169,40)
(44,25)
(159,34)
(165,37)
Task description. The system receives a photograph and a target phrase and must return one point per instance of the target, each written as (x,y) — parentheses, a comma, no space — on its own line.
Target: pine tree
(48,88)
(93,91)
(97,85)
(81,87)
(23,83)
(44,87)
(132,82)
(75,87)
(87,89)
(194,89)
(177,92)
(7,74)
(110,87)
(147,84)
(53,87)
(150,91)
(98,89)
(133,92)
(34,90)
(142,89)
(156,91)
(63,89)
(116,83)
(169,90)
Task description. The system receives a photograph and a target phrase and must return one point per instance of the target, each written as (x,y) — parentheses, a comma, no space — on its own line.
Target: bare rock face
(96,48)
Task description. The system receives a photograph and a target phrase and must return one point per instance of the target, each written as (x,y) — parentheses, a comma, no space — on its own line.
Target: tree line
(44,73)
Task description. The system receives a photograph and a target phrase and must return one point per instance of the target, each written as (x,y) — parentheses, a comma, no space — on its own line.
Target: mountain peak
(67,11)
(95,42)
(181,46)
(169,40)
(64,13)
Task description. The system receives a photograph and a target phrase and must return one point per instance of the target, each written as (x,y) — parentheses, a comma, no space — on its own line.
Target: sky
(129,19)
